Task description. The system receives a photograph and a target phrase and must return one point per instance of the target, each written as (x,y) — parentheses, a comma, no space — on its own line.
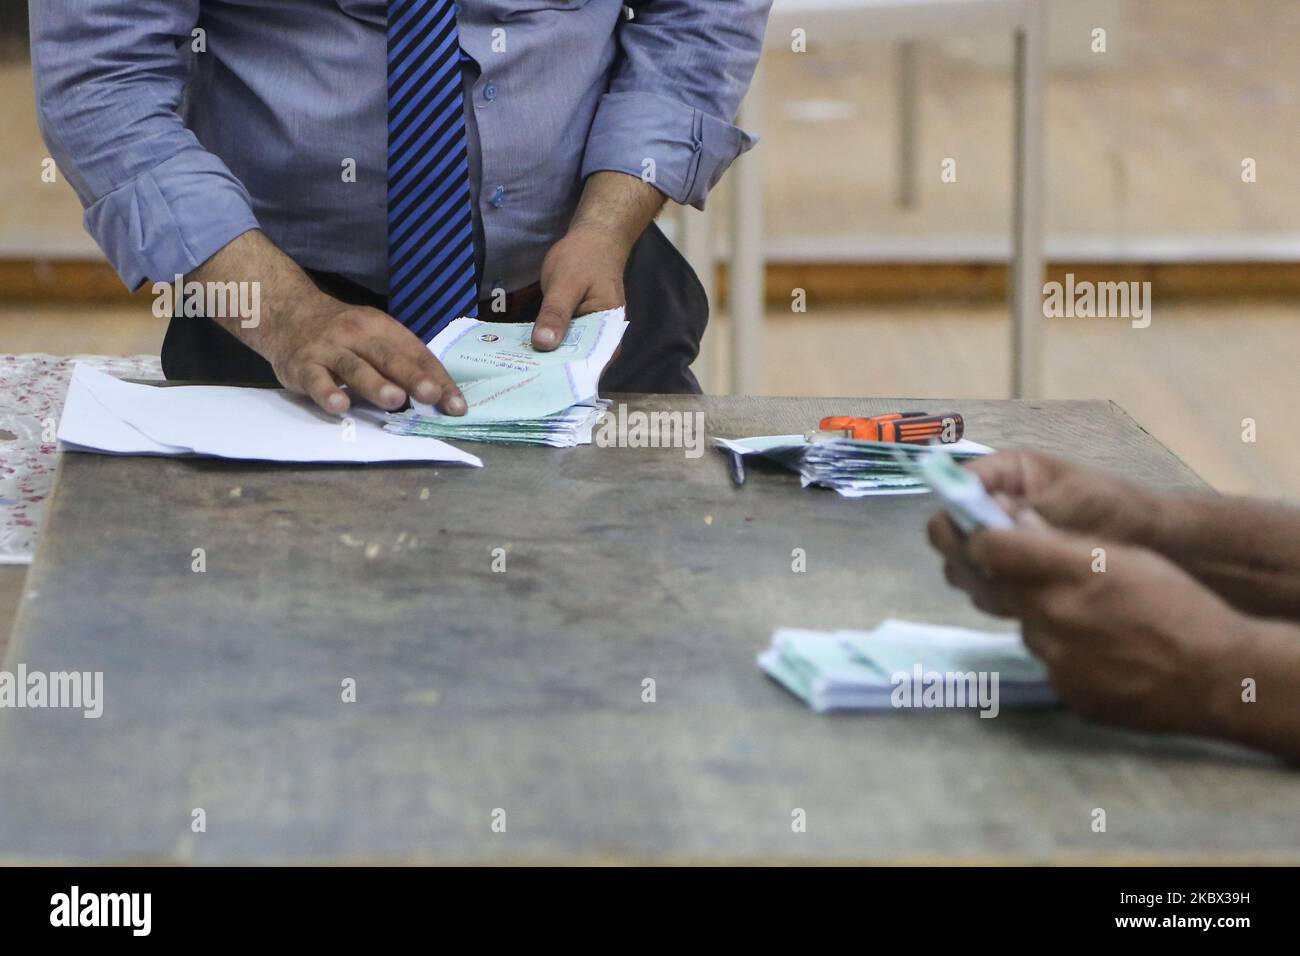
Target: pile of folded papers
(851,467)
(517,395)
(104,414)
(565,429)
(902,664)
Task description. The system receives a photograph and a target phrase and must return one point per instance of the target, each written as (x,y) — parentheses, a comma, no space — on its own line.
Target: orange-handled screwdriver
(910,427)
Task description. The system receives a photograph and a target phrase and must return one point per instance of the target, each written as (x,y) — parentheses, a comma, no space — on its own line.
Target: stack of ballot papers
(105,414)
(517,395)
(851,467)
(905,665)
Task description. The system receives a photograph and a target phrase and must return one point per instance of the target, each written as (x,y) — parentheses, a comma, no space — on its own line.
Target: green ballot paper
(516,394)
(963,494)
(903,665)
(851,467)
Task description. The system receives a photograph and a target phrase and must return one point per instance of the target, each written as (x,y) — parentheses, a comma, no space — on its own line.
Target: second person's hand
(1134,641)
(1070,496)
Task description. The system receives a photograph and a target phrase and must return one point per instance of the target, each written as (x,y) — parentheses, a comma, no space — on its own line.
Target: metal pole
(746,293)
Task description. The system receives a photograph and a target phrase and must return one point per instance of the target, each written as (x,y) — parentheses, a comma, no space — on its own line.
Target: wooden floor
(1146,139)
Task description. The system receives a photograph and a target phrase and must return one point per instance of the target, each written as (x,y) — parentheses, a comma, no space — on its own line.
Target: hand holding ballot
(1068,495)
(1139,643)
(1040,492)
(316,344)
(517,394)
(1158,612)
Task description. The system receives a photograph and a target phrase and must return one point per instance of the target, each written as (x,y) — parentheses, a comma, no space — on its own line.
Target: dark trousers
(666,311)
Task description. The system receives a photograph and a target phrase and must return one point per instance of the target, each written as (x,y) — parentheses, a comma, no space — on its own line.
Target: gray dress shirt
(183,124)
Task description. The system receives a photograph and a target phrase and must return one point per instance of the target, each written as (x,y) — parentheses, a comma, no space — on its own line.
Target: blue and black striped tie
(432,277)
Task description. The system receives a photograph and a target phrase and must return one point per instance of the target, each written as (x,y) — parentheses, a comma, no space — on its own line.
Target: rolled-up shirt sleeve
(109,76)
(684,67)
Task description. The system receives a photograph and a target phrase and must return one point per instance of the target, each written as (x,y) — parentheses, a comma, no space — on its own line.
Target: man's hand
(323,342)
(583,272)
(1246,551)
(1142,643)
(1069,496)
(316,344)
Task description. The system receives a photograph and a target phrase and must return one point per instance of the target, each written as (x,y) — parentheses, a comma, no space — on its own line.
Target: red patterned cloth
(32,388)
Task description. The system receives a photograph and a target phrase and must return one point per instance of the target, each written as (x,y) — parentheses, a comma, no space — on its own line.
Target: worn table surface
(522,691)
(12,577)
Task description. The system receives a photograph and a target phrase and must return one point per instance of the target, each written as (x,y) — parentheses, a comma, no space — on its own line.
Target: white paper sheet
(104,414)
(762,443)
(798,455)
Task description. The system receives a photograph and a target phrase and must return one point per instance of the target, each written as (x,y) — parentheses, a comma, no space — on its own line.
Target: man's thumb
(554,317)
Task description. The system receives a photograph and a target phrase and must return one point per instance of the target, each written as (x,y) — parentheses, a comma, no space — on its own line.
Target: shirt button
(498,198)
(489,92)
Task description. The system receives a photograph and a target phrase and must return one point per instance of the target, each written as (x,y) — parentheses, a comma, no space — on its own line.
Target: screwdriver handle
(923,429)
(914,428)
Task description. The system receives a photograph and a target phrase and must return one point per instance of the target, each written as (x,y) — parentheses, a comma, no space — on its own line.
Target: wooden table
(12,577)
(479,692)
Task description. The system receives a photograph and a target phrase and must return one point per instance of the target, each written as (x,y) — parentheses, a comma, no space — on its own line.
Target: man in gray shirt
(245,141)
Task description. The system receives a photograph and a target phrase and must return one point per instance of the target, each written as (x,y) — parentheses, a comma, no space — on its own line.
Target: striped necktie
(432,277)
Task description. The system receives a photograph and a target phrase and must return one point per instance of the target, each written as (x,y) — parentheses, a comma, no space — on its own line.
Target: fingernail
(427,392)
(545,336)
(336,402)
(456,405)
(391,395)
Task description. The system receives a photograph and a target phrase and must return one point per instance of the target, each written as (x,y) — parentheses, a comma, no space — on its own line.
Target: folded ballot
(517,395)
(105,414)
(849,466)
(904,665)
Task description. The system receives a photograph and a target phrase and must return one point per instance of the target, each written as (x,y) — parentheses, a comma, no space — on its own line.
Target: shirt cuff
(171,219)
(680,150)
